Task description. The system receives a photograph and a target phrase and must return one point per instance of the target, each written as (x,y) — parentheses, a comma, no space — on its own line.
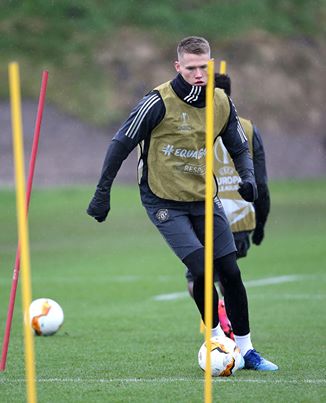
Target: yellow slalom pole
(223,67)
(209,228)
(17,133)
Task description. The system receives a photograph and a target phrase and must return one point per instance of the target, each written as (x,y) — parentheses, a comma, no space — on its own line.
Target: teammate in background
(168,125)
(244,217)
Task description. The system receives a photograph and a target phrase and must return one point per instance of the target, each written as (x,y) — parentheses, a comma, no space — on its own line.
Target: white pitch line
(167,380)
(273,280)
(171,297)
(252,283)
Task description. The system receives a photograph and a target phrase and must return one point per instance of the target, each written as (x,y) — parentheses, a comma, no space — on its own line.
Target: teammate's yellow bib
(241,214)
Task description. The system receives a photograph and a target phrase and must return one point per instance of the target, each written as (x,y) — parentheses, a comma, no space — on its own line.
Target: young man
(168,125)
(244,217)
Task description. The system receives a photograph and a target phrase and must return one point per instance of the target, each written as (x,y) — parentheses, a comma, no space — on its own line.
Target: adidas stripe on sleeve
(142,120)
(240,130)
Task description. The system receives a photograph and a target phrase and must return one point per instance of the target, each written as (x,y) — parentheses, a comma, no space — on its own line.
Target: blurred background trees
(104,55)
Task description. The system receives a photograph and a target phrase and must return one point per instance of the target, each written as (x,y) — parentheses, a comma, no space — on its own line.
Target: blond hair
(194,45)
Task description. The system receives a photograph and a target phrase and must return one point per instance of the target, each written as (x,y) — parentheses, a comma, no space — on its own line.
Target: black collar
(194,95)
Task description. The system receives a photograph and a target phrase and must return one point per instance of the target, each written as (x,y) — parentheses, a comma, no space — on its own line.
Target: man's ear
(177,66)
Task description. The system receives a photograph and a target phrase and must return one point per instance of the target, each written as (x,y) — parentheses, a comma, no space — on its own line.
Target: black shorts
(184,228)
(242,243)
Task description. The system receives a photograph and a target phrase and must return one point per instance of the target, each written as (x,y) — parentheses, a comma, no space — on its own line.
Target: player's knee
(228,270)
(195,263)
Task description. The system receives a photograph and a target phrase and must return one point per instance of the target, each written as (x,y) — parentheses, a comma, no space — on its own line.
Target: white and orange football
(46,316)
(225,356)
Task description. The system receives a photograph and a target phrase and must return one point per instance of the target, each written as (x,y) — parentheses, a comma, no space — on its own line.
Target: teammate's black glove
(258,234)
(248,191)
(99,206)
(262,208)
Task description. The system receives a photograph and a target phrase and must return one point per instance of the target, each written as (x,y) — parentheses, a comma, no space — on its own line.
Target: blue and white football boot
(253,360)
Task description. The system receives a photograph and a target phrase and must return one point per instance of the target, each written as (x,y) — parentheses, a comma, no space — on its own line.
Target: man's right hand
(99,206)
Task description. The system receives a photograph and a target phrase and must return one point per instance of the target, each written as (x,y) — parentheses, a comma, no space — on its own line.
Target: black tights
(235,295)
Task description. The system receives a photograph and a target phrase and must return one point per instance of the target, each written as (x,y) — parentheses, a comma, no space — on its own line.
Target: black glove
(248,191)
(242,247)
(223,81)
(258,234)
(99,206)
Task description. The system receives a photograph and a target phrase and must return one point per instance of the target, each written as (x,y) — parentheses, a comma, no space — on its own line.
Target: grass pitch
(120,344)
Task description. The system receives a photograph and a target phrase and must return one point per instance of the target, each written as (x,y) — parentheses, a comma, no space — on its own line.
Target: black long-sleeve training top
(147,115)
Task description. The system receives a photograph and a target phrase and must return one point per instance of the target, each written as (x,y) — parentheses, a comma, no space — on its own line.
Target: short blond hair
(194,45)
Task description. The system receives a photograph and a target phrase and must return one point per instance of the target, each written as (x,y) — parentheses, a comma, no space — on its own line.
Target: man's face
(193,68)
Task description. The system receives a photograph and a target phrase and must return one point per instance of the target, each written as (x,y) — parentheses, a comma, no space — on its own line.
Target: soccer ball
(46,316)
(225,356)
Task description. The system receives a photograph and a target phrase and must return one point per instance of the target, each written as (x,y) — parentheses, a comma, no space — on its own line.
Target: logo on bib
(184,123)
(221,153)
(162,214)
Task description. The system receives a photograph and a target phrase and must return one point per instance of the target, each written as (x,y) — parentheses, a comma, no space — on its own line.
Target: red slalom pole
(12,297)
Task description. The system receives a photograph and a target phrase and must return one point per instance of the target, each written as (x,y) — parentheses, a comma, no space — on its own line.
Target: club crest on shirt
(162,214)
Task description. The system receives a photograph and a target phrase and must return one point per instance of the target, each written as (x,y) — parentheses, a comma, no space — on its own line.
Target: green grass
(120,345)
